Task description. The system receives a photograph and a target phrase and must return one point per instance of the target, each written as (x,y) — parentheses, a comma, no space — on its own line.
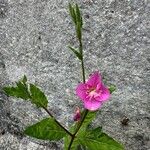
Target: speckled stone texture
(34,35)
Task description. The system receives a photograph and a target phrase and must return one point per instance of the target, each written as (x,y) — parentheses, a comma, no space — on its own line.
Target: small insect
(125,121)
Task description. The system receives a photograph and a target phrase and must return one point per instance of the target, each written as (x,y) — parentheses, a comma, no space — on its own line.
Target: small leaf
(47,129)
(76,53)
(38,97)
(78,31)
(101,142)
(24,80)
(20,91)
(70,9)
(78,15)
(72,13)
(112,88)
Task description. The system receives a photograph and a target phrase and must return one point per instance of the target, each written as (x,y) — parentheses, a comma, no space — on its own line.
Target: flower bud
(77,115)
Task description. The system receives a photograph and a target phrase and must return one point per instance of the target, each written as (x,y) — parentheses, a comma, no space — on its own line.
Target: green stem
(82,62)
(85,110)
(57,121)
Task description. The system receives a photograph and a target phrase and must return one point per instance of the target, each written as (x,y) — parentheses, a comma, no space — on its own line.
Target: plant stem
(85,110)
(57,121)
(82,62)
(80,124)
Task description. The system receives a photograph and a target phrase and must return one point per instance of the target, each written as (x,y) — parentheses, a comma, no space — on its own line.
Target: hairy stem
(57,121)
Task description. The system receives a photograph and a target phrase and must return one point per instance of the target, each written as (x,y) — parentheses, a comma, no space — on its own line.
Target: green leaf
(81,133)
(81,22)
(78,15)
(47,129)
(112,88)
(100,142)
(74,145)
(89,118)
(78,31)
(72,13)
(95,133)
(38,97)
(76,52)
(20,91)
(24,80)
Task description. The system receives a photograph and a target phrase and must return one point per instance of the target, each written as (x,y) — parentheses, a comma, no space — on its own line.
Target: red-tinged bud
(77,115)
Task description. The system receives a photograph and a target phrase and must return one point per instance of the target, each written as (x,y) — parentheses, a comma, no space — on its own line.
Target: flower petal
(92,104)
(105,94)
(81,91)
(94,79)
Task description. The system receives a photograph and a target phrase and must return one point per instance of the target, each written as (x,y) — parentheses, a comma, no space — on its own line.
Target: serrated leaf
(112,88)
(38,97)
(79,56)
(47,129)
(81,133)
(20,91)
(102,142)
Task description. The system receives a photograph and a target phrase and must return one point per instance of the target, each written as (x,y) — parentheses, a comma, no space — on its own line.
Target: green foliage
(112,88)
(24,80)
(78,54)
(99,142)
(67,141)
(72,13)
(19,91)
(78,31)
(95,133)
(22,90)
(91,139)
(47,129)
(38,97)
(89,118)
(77,19)
(81,133)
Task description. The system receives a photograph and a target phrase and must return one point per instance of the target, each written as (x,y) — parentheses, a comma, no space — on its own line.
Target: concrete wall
(34,35)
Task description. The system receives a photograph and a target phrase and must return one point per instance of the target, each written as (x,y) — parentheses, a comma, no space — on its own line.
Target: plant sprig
(79,134)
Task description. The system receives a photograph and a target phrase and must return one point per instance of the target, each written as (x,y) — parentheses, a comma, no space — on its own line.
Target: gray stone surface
(34,35)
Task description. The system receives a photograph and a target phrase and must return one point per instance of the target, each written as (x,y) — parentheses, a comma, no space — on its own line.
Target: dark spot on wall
(3,9)
(87,16)
(148,59)
(125,121)
(2,132)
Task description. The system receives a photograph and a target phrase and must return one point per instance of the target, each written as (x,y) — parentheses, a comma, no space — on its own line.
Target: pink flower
(93,93)
(77,115)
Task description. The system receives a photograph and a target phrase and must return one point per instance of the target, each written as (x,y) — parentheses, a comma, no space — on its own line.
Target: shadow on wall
(8,123)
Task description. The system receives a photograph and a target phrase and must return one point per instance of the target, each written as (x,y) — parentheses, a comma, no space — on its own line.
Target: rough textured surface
(33,39)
